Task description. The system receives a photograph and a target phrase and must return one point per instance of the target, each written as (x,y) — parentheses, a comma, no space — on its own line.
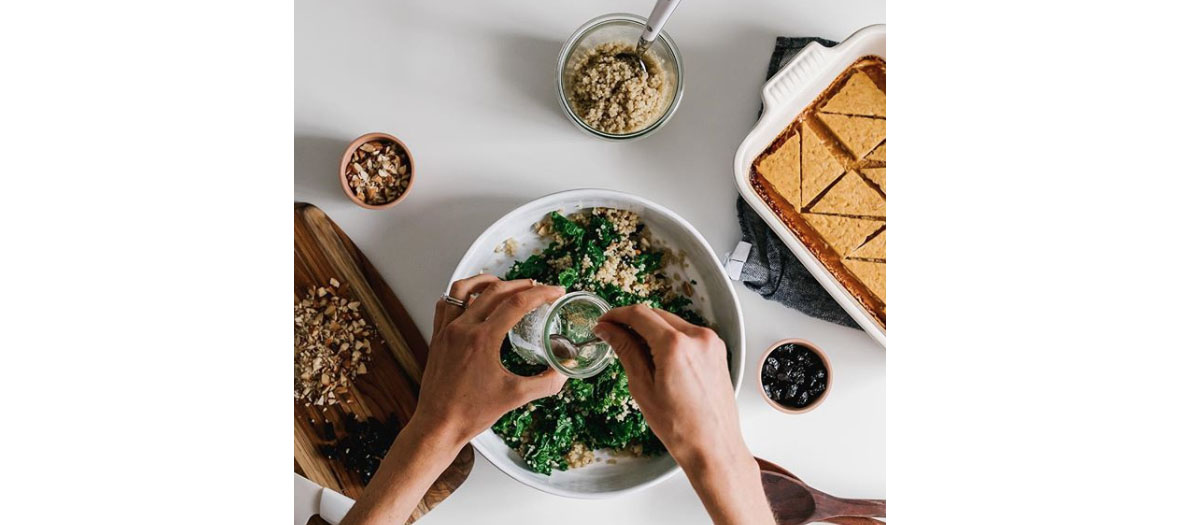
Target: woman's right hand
(679,376)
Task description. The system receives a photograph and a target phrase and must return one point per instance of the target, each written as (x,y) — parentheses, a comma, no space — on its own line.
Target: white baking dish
(784,97)
(714,298)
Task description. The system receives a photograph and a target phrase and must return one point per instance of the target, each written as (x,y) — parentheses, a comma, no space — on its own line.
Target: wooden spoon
(793,502)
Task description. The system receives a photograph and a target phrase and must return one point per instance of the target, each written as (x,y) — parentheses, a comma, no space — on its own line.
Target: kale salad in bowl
(591,440)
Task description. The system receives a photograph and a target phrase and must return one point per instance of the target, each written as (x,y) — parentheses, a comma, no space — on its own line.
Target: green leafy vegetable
(566,228)
(567,277)
(597,412)
(648,262)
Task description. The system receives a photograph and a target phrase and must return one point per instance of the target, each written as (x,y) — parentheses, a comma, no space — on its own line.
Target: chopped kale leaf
(567,277)
(598,411)
(648,262)
(567,229)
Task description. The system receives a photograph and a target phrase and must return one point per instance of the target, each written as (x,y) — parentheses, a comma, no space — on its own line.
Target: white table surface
(469,87)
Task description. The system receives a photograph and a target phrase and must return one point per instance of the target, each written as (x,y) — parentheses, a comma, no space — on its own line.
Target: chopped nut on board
(331,345)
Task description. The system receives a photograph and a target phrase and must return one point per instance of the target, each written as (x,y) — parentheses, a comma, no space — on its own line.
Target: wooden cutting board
(389,390)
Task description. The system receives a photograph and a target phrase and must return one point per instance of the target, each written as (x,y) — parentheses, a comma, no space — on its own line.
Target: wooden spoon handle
(854,520)
(867,508)
(767,466)
(851,520)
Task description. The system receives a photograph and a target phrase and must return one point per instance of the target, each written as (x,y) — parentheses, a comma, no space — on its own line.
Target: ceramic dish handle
(789,79)
(334,505)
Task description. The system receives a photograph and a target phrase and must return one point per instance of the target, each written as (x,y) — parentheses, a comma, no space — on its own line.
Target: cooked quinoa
(579,455)
(613,94)
(508,247)
(610,253)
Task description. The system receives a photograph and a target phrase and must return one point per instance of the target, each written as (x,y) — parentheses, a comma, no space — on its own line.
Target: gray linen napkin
(770,268)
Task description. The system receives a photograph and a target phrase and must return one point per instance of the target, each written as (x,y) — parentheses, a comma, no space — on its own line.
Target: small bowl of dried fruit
(377,171)
(796,376)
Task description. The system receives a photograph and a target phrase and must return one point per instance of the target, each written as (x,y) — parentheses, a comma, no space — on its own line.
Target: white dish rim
(784,96)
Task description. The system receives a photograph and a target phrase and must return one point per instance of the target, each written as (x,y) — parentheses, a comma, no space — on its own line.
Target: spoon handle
(656,20)
(855,520)
(866,508)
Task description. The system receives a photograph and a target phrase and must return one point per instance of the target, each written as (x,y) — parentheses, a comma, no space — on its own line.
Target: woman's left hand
(465,389)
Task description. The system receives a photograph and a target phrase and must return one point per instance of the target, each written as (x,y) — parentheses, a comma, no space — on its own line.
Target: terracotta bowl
(822,357)
(369,137)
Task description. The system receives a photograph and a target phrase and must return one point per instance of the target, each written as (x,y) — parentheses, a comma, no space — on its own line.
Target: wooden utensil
(787,506)
(389,390)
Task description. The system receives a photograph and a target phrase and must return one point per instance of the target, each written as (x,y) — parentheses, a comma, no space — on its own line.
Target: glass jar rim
(551,318)
(563,58)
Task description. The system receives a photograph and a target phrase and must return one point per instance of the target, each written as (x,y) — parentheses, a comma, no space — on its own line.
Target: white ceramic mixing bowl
(714,298)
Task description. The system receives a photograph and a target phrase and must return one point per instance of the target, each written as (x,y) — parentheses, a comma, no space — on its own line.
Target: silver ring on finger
(453,301)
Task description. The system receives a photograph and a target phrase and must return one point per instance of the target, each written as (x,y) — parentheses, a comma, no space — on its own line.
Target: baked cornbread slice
(782,170)
(877,154)
(851,195)
(840,215)
(873,249)
(842,233)
(877,175)
(858,134)
(859,96)
(872,274)
(820,167)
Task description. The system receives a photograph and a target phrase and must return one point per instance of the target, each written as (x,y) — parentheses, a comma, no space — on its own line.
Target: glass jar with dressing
(572,316)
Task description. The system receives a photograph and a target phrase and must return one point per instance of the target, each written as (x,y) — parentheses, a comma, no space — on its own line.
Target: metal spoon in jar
(655,22)
(563,348)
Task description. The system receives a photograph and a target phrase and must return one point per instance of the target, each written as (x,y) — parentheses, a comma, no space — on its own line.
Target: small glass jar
(574,315)
(621,27)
